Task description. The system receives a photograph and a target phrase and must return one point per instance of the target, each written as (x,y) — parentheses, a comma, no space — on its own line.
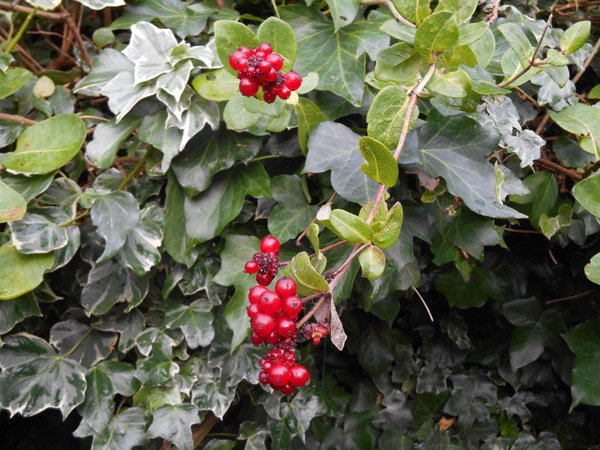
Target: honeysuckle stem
(19,34)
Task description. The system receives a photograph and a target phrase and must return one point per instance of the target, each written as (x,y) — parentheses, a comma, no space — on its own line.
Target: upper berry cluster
(260,67)
(265,264)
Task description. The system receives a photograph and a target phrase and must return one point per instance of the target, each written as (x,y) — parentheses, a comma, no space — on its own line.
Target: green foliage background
(135,181)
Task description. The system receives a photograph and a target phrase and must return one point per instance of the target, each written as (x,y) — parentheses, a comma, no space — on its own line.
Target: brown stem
(571,297)
(71,23)
(312,297)
(313,221)
(17,119)
(512,230)
(312,312)
(7,6)
(200,431)
(558,168)
(424,303)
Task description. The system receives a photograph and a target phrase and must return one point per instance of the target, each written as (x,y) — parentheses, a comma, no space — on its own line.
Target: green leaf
(583,120)
(174,424)
(29,363)
(386,116)
(195,321)
(372,262)
(107,140)
(471,32)
(12,80)
(456,148)
(308,280)
(543,193)
(399,63)
(103,37)
(176,240)
(237,117)
(587,192)
(474,291)
(115,215)
(342,156)
(47,145)
(437,33)
(39,231)
(292,213)
(241,363)
(230,36)
(413,10)
(217,85)
(591,269)
(123,432)
(462,9)
(309,115)
(386,231)
(12,204)
(207,214)
(140,252)
(515,37)
(350,227)
(19,273)
(595,92)
(343,12)
(16,310)
(185,20)
(281,37)
(337,56)
(575,36)
(584,341)
(453,84)
(210,392)
(381,165)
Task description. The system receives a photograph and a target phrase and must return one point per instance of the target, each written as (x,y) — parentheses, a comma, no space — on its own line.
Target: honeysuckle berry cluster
(265,264)
(260,67)
(280,369)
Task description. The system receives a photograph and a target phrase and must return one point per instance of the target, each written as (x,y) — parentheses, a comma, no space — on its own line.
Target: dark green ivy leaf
(174,424)
(123,432)
(195,320)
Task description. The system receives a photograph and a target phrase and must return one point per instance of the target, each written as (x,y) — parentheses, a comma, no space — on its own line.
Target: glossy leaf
(399,63)
(12,205)
(437,33)
(343,12)
(281,37)
(575,36)
(12,80)
(583,120)
(308,280)
(123,432)
(381,165)
(350,227)
(195,320)
(108,138)
(516,38)
(176,240)
(218,85)
(174,424)
(16,310)
(309,115)
(210,392)
(39,231)
(386,230)
(140,252)
(592,269)
(19,273)
(413,10)
(372,263)
(583,340)
(586,193)
(229,37)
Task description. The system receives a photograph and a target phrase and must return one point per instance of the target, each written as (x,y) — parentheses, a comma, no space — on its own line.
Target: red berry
(293,80)
(254,50)
(285,326)
(269,96)
(263,377)
(270,303)
(269,244)
(284,92)
(251,267)
(276,60)
(299,375)
(252,310)
(235,58)
(263,324)
(288,389)
(264,67)
(248,86)
(261,80)
(245,51)
(256,339)
(273,338)
(266,48)
(285,287)
(292,306)
(316,341)
(279,374)
(260,55)
(267,366)
(255,293)
(271,75)
(251,71)
(264,278)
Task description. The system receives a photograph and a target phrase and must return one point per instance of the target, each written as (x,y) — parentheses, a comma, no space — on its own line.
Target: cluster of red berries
(260,67)
(315,332)
(280,369)
(265,263)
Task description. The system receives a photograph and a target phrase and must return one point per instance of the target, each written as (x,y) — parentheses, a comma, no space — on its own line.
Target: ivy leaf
(475,291)
(292,213)
(207,214)
(141,249)
(298,414)
(436,33)
(196,167)
(337,56)
(592,269)
(309,115)
(129,326)
(575,36)
(584,341)
(39,231)
(230,36)
(174,424)
(456,148)
(527,145)
(386,116)
(308,280)
(28,362)
(236,365)
(12,204)
(108,138)
(115,214)
(105,380)
(19,273)
(105,66)
(372,263)
(470,399)
(159,368)
(16,310)
(195,320)
(210,392)
(586,193)
(123,432)
(343,12)
(47,145)
(381,165)
(123,93)
(342,156)
(108,283)
(282,38)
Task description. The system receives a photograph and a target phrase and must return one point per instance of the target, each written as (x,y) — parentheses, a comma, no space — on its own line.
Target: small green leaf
(237,117)
(103,37)
(461,9)
(13,80)
(575,36)
(413,10)
(437,33)
(230,36)
(453,84)
(308,115)
(308,280)
(471,32)
(108,138)
(587,192)
(309,83)
(381,165)
(12,204)
(399,63)
(47,145)
(350,227)
(386,232)
(516,38)
(556,58)
(19,273)
(343,12)
(217,85)
(372,262)
(592,269)
(595,92)
(281,37)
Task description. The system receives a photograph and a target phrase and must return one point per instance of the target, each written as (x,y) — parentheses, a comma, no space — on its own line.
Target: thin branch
(423,301)
(19,34)
(493,14)
(392,8)
(312,312)
(135,170)
(571,297)
(312,297)
(71,23)
(587,62)
(558,168)
(314,220)
(532,61)
(24,9)
(323,250)
(17,119)
(512,230)
(200,432)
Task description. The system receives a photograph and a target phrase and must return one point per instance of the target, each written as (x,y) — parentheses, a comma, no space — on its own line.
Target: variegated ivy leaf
(44,4)
(123,432)
(123,94)
(39,231)
(141,249)
(101,4)
(211,391)
(106,66)
(174,423)
(194,320)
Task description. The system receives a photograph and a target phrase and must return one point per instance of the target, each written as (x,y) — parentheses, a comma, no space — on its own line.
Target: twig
(493,14)
(512,230)
(313,221)
(532,61)
(392,8)
(274,3)
(558,168)
(19,34)
(587,62)
(71,23)
(571,297)
(323,250)
(24,9)
(199,432)
(423,301)
(312,312)
(357,249)
(135,170)
(587,172)
(17,119)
